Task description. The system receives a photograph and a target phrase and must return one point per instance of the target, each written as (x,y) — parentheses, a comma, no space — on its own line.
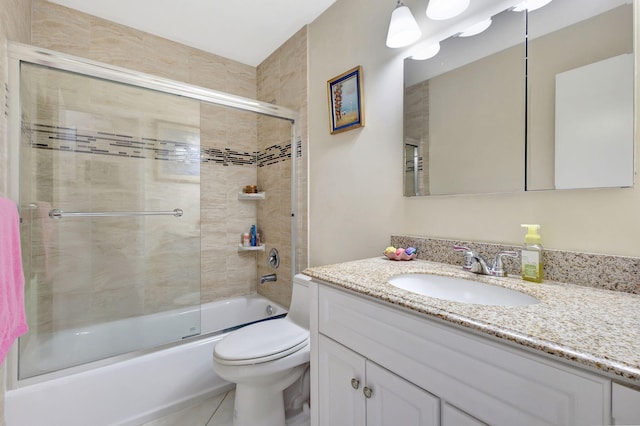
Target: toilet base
(262,404)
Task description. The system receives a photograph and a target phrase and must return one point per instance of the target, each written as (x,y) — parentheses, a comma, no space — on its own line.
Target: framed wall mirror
(497,112)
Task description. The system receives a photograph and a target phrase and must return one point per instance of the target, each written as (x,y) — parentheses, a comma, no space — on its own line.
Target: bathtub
(136,388)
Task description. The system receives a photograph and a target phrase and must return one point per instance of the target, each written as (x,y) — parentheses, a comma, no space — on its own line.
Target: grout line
(217,408)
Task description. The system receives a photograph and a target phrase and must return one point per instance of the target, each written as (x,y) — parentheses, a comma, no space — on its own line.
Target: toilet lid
(261,342)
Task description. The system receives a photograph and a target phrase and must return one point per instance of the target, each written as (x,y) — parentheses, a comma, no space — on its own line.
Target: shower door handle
(59,214)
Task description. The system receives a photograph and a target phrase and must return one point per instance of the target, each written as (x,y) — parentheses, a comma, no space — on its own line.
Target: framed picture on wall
(346,101)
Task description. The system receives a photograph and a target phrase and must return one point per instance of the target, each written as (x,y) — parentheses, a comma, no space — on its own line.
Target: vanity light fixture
(530,5)
(446,9)
(425,50)
(403,28)
(476,29)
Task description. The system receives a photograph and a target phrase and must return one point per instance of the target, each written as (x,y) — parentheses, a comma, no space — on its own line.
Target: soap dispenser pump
(532,254)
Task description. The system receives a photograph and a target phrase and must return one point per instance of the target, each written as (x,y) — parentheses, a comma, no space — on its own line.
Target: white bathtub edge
(129,393)
(119,393)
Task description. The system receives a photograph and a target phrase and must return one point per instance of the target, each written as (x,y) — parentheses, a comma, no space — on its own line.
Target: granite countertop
(597,328)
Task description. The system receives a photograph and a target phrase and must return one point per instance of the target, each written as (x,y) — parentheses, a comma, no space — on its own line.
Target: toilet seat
(262,342)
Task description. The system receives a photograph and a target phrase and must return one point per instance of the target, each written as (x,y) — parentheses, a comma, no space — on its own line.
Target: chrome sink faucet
(474,262)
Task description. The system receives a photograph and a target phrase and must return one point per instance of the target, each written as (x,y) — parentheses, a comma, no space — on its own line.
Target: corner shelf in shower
(251,248)
(257,196)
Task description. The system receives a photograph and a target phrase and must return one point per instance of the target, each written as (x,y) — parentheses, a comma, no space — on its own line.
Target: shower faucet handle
(274,258)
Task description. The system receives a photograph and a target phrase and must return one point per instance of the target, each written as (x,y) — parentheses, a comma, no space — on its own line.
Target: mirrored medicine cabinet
(539,101)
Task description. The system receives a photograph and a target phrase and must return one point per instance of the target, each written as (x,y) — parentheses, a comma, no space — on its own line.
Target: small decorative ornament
(400,253)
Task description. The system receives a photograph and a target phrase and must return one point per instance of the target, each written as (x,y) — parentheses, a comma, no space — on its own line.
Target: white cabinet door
(625,405)
(341,379)
(394,401)
(357,392)
(451,416)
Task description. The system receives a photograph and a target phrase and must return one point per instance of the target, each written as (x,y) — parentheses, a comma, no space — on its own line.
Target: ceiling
(246,31)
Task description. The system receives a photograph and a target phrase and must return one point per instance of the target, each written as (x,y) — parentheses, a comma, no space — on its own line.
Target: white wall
(356,177)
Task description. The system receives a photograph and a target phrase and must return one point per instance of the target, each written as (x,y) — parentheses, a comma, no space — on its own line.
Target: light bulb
(446,9)
(403,28)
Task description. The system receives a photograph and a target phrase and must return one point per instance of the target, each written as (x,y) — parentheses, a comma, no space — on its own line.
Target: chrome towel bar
(59,214)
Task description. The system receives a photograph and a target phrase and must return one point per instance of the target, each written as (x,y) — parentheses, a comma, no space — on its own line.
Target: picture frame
(346,101)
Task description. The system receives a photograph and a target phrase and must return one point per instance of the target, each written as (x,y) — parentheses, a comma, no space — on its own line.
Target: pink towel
(12,317)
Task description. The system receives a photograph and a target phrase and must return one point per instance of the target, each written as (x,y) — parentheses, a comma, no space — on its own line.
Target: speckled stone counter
(597,328)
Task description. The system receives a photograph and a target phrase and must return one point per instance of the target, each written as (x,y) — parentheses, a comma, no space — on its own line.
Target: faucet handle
(497,269)
(468,257)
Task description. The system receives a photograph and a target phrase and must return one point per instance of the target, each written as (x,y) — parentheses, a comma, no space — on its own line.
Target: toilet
(266,358)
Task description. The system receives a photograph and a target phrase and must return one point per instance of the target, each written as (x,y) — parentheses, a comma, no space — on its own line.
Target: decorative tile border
(409,165)
(274,154)
(618,273)
(91,142)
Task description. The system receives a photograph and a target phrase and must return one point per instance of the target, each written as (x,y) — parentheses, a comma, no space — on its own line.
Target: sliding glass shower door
(111,237)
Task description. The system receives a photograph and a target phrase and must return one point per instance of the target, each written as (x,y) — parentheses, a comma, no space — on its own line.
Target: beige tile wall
(15,24)
(69,31)
(282,79)
(225,272)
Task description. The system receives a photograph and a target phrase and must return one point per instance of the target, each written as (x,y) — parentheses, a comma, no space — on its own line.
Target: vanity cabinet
(451,416)
(470,378)
(358,392)
(626,405)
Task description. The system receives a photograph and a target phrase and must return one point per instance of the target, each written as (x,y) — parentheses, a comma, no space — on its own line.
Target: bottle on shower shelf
(253,236)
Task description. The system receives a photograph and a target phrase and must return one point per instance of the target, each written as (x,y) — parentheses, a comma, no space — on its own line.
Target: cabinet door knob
(367,392)
(355,383)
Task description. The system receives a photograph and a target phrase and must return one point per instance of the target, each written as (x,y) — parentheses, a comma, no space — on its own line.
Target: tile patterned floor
(214,411)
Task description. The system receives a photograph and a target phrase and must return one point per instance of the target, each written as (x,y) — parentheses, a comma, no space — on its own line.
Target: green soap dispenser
(532,254)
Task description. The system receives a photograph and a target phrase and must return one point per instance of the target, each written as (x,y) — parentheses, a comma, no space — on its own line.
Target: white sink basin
(461,290)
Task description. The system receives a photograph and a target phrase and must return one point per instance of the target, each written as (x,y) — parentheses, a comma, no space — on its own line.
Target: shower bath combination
(118,178)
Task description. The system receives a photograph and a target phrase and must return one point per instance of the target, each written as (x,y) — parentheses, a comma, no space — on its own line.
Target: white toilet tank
(299,308)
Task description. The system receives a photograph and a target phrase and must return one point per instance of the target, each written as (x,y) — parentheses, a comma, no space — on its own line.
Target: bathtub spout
(270,277)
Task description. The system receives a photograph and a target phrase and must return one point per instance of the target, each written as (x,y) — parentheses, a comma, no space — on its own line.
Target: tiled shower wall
(225,272)
(282,79)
